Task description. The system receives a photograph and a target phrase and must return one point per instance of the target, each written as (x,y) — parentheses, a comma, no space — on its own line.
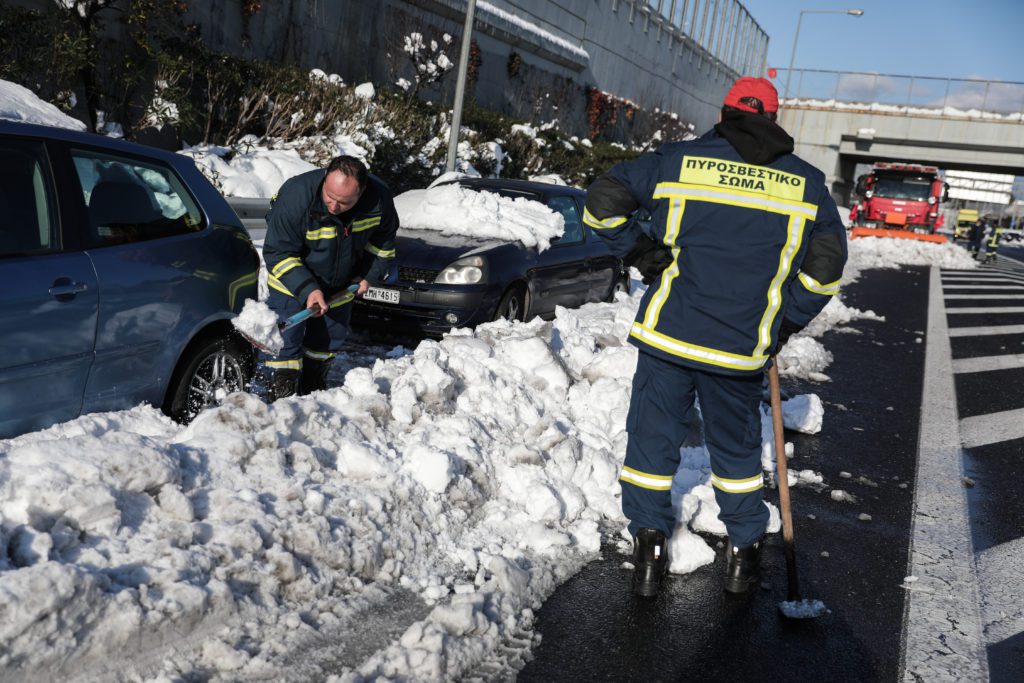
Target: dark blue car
(121,267)
(444,282)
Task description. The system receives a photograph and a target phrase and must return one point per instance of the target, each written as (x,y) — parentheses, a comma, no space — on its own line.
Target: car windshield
(903,187)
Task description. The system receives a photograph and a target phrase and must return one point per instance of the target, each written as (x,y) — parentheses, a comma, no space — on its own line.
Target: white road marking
(982,430)
(948,286)
(943,625)
(1010,361)
(993,295)
(985,330)
(1003,602)
(987,309)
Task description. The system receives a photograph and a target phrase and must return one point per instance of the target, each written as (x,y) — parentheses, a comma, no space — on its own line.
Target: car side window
(573,225)
(133,201)
(26,200)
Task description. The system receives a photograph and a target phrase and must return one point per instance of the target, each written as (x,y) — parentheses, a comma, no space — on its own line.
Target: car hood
(431,249)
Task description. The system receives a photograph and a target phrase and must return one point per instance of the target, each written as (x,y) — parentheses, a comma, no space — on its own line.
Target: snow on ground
(255,173)
(457,210)
(18,103)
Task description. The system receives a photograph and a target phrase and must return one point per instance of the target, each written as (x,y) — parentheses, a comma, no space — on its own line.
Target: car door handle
(64,288)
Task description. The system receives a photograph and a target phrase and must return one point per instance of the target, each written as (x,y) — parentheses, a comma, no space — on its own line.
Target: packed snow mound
(255,173)
(18,103)
(882,252)
(460,211)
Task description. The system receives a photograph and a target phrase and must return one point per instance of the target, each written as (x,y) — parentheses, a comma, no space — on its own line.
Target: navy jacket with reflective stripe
(307,248)
(751,245)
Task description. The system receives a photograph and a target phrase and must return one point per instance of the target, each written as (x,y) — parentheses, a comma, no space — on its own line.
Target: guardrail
(252,213)
(962,98)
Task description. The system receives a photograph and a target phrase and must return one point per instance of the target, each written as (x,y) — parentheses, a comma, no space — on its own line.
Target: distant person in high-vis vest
(326,229)
(747,248)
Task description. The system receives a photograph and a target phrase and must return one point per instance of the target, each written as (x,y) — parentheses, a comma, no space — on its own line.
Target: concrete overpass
(970,125)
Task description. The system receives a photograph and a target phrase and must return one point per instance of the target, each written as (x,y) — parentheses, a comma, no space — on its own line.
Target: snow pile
(252,172)
(882,252)
(18,103)
(457,210)
(258,324)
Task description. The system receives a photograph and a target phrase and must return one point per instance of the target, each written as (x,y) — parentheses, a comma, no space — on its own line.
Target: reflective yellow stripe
(276,284)
(286,265)
(327,232)
(285,364)
(654,482)
(747,200)
(366,224)
(672,222)
(346,298)
(317,355)
(612,222)
(818,288)
(236,285)
(794,237)
(381,253)
(703,354)
(737,485)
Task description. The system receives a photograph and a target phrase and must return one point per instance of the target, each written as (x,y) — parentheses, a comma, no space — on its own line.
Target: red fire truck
(899,200)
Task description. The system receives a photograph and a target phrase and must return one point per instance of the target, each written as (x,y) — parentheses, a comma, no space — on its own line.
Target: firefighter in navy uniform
(748,248)
(326,229)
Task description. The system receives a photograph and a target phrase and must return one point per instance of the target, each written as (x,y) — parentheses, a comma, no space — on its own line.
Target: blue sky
(946,38)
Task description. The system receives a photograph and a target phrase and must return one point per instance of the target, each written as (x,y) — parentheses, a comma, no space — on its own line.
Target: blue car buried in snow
(121,268)
(444,281)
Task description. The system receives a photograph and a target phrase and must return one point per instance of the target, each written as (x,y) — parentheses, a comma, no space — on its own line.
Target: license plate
(387,296)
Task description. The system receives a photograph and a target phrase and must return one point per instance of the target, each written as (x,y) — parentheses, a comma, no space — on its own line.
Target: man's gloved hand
(786,330)
(649,257)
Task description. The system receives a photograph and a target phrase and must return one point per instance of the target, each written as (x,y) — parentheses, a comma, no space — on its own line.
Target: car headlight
(869,194)
(465,271)
(931,200)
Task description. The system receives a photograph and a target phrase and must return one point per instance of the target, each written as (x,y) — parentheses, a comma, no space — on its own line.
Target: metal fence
(724,29)
(911,95)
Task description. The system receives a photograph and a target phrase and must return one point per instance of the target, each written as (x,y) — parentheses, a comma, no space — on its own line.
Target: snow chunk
(259,324)
(18,103)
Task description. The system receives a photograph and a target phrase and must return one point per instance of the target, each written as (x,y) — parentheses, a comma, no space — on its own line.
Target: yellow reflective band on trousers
(381,253)
(813,285)
(737,485)
(654,482)
(286,265)
(596,224)
(794,237)
(366,224)
(285,364)
(734,175)
(317,355)
(326,232)
(274,283)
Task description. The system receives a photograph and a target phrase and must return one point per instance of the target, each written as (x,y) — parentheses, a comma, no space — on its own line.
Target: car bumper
(433,311)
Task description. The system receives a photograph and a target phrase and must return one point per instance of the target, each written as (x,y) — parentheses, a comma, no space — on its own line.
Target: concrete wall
(836,141)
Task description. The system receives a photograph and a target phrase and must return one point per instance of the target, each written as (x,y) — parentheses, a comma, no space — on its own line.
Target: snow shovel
(294,320)
(794,607)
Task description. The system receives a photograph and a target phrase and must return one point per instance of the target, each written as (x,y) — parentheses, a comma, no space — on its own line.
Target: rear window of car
(130,200)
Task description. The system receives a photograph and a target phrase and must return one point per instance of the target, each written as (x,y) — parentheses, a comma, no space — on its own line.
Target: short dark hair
(756,104)
(350,166)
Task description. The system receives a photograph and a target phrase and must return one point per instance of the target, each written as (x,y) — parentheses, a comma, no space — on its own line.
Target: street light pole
(460,86)
(792,56)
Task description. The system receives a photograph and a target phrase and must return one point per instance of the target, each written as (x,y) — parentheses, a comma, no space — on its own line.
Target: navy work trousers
(657,424)
(316,338)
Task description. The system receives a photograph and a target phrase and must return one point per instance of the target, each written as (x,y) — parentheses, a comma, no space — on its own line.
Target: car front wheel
(213,369)
(512,305)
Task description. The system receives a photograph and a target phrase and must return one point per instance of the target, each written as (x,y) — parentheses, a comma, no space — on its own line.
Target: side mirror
(945,192)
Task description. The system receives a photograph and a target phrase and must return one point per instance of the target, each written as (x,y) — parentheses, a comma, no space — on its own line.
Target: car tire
(512,305)
(208,372)
(621,285)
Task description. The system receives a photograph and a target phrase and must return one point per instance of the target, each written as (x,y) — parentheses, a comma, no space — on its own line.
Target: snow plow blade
(899,234)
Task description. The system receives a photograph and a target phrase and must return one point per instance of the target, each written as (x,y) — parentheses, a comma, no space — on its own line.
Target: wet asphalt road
(593,629)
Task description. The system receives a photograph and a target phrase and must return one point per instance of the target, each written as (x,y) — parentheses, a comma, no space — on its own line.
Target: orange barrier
(899,234)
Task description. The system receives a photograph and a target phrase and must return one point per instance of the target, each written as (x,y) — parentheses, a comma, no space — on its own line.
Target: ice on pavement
(456,210)
(259,324)
(470,477)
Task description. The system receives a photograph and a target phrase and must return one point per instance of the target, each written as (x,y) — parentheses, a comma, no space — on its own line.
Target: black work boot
(283,383)
(744,567)
(314,375)
(650,561)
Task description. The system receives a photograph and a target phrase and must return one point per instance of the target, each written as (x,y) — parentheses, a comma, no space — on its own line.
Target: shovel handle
(782,471)
(294,320)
